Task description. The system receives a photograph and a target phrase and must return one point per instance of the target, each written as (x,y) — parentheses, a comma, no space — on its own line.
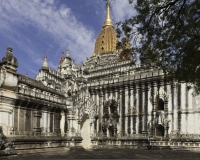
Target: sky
(35,28)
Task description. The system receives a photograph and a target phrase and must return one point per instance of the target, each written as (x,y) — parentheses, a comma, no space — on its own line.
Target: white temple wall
(191,126)
(198,123)
(4,121)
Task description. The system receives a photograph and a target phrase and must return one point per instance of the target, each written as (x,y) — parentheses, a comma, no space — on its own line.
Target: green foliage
(168,33)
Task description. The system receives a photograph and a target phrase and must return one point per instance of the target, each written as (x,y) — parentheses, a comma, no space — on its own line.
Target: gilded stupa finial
(107,39)
(108,20)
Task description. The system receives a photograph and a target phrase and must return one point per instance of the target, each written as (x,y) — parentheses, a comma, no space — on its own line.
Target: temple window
(160,105)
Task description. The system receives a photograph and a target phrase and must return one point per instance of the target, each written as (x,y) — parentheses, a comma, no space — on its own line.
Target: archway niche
(160,131)
(110,107)
(160,105)
(85,131)
(110,131)
(110,118)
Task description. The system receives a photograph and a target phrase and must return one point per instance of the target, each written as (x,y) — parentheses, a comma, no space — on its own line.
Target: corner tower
(107,39)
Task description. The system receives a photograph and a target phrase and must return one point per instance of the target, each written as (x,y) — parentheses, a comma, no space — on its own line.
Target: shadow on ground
(63,153)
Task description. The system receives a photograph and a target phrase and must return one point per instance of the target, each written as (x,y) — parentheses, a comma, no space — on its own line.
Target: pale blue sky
(38,27)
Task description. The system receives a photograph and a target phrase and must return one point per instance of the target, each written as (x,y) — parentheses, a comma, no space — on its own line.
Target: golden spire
(108,20)
(107,40)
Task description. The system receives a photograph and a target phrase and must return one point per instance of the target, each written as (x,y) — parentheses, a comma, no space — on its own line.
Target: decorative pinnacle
(45,64)
(67,52)
(108,20)
(9,50)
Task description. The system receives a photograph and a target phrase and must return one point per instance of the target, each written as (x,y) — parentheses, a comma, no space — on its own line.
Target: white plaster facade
(120,100)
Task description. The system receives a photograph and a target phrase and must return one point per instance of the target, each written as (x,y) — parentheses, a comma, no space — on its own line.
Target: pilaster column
(149,105)
(93,126)
(116,93)
(138,88)
(45,121)
(100,110)
(126,107)
(166,125)
(92,92)
(144,110)
(105,94)
(62,123)
(183,126)
(117,98)
(132,107)
(79,126)
(37,117)
(120,111)
(176,107)
(70,122)
(154,102)
(49,122)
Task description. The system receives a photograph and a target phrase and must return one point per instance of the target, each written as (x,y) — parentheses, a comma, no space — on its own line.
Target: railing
(40,95)
(120,136)
(176,135)
(33,134)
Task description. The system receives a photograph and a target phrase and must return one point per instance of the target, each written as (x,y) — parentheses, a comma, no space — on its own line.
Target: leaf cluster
(167,33)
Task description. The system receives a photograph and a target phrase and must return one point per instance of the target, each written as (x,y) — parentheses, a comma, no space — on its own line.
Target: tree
(167,32)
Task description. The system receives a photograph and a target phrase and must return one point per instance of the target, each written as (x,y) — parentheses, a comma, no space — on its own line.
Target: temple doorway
(160,131)
(110,131)
(85,131)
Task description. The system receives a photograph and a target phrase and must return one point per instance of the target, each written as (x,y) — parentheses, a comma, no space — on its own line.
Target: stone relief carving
(161,94)
(132,110)
(86,105)
(110,122)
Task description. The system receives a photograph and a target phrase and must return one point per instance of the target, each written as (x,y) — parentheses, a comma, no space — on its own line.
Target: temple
(107,101)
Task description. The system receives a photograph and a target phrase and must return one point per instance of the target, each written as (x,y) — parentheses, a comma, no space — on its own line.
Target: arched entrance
(85,131)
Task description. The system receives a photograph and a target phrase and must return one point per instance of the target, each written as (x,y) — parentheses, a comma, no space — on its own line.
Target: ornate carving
(163,94)
(2,75)
(86,105)
(159,94)
(110,122)
(37,84)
